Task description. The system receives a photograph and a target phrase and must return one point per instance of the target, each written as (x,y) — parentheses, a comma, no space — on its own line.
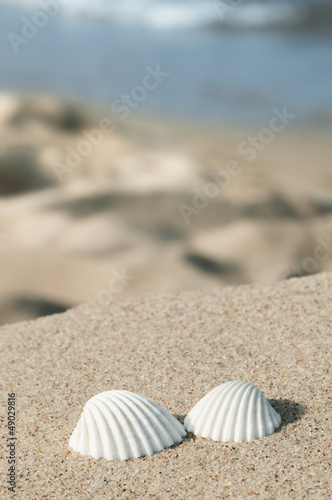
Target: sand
(119,208)
(174,348)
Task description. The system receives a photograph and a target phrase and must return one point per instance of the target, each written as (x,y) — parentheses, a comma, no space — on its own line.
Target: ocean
(228,61)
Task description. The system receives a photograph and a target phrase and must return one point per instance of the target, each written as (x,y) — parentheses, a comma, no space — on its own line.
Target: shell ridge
(240,423)
(92,434)
(165,421)
(209,420)
(228,430)
(260,416)
(169,417)
(158,424)
(218,403)
(190,418)
(194,421)
(196,409)
(251,427)
(85,433)
(96,441)
(148,420)
(140,426)
(133,435)
(171,429)
(210,402)
(121,426)
(211,428)
(74,438)
(268,423)
(219,426)
(113,426)
(275,417)
(110,427)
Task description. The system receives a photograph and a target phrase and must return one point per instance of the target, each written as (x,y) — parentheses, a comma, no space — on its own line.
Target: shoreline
(168,121)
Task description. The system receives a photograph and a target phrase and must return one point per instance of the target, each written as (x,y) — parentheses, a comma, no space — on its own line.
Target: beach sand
(119,208)
(174,348)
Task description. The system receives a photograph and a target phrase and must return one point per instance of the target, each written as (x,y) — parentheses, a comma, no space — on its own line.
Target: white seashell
(234,411)
(122,425)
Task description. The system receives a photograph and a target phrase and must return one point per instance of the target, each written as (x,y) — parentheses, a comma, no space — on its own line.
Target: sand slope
(174,348)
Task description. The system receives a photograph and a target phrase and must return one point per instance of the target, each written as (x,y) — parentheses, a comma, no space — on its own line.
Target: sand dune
(145,199)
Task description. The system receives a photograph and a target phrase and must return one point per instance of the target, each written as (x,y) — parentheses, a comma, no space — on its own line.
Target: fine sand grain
(174,348)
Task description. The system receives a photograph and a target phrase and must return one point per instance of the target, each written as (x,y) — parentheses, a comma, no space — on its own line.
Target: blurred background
(160,146)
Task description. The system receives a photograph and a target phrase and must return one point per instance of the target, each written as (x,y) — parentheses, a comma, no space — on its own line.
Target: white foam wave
(171,14)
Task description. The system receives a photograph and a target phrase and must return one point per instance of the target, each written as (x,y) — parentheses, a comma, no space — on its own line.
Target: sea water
(229,61)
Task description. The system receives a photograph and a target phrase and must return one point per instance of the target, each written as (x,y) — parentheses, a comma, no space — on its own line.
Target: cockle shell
(234,411)
(122,425)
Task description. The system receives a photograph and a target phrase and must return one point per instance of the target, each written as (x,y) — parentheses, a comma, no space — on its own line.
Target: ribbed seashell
(234,411)
(122,425)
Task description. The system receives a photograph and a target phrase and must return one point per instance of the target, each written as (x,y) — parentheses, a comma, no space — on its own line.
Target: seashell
(122,425)
(234,411)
